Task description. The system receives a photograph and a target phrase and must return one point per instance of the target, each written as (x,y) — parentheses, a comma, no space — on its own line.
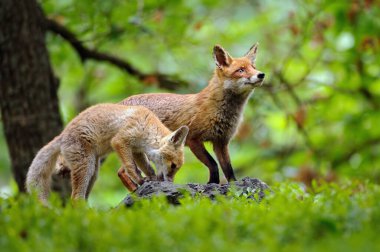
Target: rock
(250,186)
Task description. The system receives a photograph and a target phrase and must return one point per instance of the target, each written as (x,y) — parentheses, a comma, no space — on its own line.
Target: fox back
(214,113)
(130,131)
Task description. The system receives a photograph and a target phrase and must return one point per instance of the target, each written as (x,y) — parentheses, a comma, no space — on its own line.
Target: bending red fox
(212,114)
(135,133)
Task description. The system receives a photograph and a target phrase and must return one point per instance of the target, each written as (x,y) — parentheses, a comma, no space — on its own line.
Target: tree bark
(28,88)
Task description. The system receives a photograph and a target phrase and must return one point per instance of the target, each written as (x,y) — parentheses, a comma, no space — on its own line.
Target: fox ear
(251,54)
(178,137)
(221,57)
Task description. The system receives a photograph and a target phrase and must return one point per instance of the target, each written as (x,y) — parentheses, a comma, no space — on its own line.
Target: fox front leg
(126,180)
(221,151)
(124,152)
(199,150)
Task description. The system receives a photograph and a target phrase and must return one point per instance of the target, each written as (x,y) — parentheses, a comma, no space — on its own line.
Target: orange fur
(212,114)
(134,132)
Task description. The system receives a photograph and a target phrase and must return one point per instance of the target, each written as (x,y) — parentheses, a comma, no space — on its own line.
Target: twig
(300,127)
(345,157)
(163,80)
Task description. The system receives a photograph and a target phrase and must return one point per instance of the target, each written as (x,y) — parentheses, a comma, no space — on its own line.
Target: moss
(332,218)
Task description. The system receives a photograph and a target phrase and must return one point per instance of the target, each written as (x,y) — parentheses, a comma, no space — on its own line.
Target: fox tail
(39,174)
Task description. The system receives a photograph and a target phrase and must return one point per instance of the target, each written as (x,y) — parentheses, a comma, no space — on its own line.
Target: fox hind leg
(93,177)
(82,170)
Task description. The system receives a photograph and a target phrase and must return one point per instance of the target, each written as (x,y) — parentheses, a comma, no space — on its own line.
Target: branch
(300,127)
(289,89)
(163,80)
(345,157)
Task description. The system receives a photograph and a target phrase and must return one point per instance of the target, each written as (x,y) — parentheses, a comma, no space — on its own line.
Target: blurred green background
(316,116)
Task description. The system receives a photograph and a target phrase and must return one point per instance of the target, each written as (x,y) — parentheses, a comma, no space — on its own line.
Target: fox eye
(173,166)
(241,70)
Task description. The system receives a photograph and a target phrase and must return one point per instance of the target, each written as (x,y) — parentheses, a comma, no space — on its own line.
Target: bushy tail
(40,171)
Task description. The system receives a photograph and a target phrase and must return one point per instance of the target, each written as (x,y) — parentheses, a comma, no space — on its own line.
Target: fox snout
(162,177)
(256,78)
(238,74)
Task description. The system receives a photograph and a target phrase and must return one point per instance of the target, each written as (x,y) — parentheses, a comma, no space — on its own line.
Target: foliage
(318,109)
(333,217)
(316,118)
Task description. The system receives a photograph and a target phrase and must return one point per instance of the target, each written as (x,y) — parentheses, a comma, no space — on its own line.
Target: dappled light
(308,93)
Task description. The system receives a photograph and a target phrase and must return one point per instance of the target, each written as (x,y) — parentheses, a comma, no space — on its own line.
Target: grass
(343,217)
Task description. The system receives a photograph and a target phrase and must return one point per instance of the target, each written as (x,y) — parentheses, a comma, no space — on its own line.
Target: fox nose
(261,75)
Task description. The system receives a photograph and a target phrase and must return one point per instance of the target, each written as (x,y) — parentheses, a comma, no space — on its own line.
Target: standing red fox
(134,132)
(214,113)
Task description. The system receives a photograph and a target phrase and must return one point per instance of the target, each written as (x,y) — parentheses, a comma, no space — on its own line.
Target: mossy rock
(246,186)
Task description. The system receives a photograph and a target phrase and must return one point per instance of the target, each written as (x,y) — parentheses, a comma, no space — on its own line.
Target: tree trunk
(28,88)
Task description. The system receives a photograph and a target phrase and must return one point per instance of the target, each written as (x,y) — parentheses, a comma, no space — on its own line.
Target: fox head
(171,153)
(237,74)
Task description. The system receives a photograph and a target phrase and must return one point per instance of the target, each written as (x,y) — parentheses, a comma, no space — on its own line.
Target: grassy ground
(331,218)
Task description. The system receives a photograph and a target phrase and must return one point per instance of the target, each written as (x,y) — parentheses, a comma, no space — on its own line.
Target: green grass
(332,218)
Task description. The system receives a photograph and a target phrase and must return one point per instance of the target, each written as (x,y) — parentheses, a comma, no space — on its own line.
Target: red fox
(134,132)
(212,114)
